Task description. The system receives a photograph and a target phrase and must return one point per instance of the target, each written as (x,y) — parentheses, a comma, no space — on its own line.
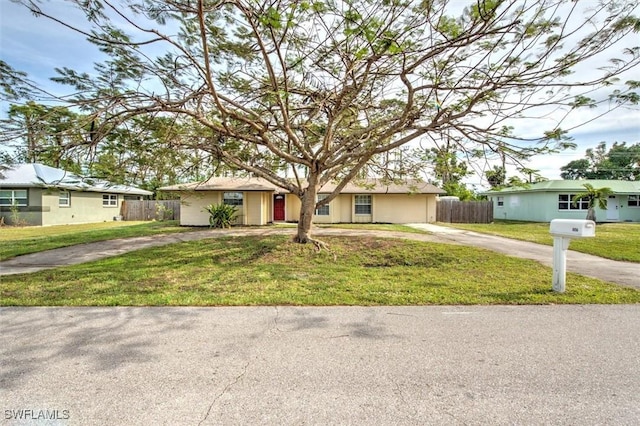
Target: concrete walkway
(623,273)
(433,365)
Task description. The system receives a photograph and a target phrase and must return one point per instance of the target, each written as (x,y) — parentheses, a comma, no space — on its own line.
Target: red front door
(278,207)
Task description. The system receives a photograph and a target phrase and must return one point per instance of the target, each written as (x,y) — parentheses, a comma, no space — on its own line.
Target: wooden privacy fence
(150,210)
(454,211)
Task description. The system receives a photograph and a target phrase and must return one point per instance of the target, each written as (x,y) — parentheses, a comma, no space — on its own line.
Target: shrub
(163,212)
(221,215)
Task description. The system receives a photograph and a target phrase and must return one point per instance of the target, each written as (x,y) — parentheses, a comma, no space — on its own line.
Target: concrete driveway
(560,365)
(623,273)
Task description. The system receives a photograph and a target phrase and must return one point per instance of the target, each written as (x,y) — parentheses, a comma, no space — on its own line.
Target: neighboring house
(45,195)
(545,201)
(260,202)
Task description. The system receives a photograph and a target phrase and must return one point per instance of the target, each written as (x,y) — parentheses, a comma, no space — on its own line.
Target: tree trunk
(307,209)
(591,214)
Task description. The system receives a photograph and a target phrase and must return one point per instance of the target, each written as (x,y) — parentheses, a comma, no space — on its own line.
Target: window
(64,199)
(565,202)
(109,200)
(232,198)
(634,201)
(363,204)
(500,201)
(323,210)
(14,197)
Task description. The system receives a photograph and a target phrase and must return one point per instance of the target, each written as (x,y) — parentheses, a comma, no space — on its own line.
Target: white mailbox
(563,230)
(573,228)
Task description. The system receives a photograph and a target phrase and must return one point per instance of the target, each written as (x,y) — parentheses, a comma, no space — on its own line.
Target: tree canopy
(315,89)
(620,162)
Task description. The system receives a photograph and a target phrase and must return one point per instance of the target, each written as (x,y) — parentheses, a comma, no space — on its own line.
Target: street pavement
(435,365)
(448,365)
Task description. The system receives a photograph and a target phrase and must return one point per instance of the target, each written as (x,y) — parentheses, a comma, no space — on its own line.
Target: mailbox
(563,230)
(572,228)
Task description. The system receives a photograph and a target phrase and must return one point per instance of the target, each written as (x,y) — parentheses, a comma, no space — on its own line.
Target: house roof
(225,184)
(617,186)
(376,186)
(34,175)
(368,186)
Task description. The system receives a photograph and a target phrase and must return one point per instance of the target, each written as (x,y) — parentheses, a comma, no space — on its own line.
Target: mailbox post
(563,230)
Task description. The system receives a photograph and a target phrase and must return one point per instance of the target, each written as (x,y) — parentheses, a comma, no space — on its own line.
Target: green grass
(18,241)
(374,227)
(274,271)
(617,241)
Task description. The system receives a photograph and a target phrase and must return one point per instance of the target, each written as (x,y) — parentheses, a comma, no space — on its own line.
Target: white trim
(108,200)
(64,201)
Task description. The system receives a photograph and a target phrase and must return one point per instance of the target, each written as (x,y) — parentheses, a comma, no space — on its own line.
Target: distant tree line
(620,162)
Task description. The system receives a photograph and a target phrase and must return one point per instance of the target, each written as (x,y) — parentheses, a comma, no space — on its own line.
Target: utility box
(572,228)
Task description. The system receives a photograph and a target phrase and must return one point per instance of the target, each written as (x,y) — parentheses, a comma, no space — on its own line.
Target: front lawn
(617,241)
(252,270)
(16,241)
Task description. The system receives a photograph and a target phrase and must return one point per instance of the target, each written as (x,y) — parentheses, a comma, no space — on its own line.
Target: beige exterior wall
(192,212)
(292,206)
(385,208)
(84,207)
(258,208)
(267,213)
(404,208)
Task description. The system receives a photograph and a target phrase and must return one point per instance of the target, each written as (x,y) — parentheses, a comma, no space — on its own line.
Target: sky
(37,46)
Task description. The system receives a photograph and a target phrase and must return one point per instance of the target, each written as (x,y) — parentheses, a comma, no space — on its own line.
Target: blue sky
(37,46)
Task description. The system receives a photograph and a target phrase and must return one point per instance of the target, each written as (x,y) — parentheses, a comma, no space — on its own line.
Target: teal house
(545,201)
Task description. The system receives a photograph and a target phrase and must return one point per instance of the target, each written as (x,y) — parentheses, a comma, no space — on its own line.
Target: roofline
(134,191)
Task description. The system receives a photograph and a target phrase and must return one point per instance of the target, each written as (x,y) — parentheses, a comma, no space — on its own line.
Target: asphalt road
(560,365)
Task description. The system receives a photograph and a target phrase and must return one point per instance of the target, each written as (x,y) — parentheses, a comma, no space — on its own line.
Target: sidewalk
(623,273)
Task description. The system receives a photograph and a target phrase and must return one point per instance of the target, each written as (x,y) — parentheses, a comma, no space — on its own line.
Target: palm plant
(594,196)
(221,215)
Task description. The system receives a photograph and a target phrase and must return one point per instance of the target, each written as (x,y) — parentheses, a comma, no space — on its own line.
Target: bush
(221,215)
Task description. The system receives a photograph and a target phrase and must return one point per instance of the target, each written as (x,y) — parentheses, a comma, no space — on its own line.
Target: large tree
(322,87)
(621,162)
(52,135)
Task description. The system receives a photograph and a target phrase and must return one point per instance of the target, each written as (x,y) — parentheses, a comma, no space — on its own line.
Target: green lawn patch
(272,270)
(616,241)
(16,241)
(374,227)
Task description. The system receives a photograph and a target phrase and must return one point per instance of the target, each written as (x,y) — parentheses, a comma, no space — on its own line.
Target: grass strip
(18,241)
(249,271)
